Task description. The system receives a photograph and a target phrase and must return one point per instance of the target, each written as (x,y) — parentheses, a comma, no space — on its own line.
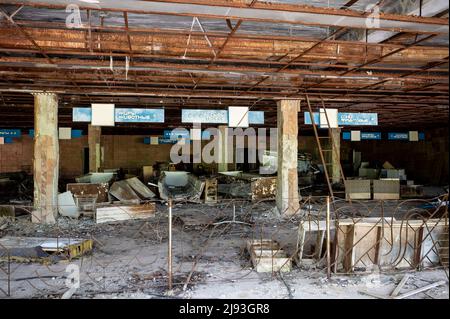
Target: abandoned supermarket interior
(228,149)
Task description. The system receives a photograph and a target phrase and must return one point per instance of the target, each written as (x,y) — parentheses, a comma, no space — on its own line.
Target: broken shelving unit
(26,249)
(268,256)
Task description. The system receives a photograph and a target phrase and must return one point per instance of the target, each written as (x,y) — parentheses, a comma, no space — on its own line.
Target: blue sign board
(217,116)
(347,136)
(75,133)
(347,119)
(176,134)
(8,140)
(357,119)
(122,115)
(139,115)
(82,114)
(204,116)
(256,117)
(10,133)
(398,136)
(370,135)
(163,140)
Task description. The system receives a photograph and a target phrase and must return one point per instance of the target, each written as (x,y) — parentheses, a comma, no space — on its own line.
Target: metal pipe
(169,272)
(328,239)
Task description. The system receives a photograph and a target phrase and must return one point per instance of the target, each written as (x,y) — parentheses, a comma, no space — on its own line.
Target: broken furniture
(180,186)
(45,250)
(268,256)
(96,178)
(211,190)
(90,189)
(358,189)
(119,213)
(367,242)
(316,229)
(386,189)
(252,186)
(86,203)
(408,244)
(67,206)
(365,189)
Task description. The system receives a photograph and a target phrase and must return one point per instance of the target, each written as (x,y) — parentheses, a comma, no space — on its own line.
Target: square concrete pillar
(94,141)
(336,155)
(225,149)
(46,158)
(287,198)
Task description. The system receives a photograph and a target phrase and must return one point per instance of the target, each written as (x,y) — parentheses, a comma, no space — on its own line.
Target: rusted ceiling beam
(263,12)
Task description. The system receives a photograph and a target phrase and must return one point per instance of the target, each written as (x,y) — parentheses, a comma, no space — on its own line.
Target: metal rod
(328,239)
(9,273)
(169,272)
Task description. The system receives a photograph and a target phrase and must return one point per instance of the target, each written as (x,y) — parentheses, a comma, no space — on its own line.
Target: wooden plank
(120,213)
(419,290)
(399,287)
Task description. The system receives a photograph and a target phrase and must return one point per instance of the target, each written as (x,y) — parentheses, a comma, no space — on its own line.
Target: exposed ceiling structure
(389,57)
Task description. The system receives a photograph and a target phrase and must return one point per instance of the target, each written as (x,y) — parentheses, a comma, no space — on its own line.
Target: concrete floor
(129,260)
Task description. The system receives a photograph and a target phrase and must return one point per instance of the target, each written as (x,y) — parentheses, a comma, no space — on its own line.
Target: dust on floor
(129,260)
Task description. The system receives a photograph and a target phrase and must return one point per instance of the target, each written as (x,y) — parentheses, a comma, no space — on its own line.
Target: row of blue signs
(75,133)
(347,119)
(217,116)
(9,133)
(346,136)
(84,114)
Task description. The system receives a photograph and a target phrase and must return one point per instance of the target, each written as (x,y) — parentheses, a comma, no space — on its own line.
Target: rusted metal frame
(125,18)
(310,49)
(349,4)
(82,64)
(375,60)
(89,31)
(232,33)
(176,59)
(319,145)
(427,67)
(43,53)
(228,38)
(181,80)
(157,91)
(211,34)
(389,54)
(298,57)
(336,152)
(330,91)
(261,6)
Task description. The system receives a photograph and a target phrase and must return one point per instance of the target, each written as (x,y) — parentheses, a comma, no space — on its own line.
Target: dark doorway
(86,160)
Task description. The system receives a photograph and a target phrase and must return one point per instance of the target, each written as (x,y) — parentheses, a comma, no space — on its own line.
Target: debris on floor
(180,185)
(268,256)
(87,189)
(44,250)
(67,206)
(123,192)
(7,211)
(120,213)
